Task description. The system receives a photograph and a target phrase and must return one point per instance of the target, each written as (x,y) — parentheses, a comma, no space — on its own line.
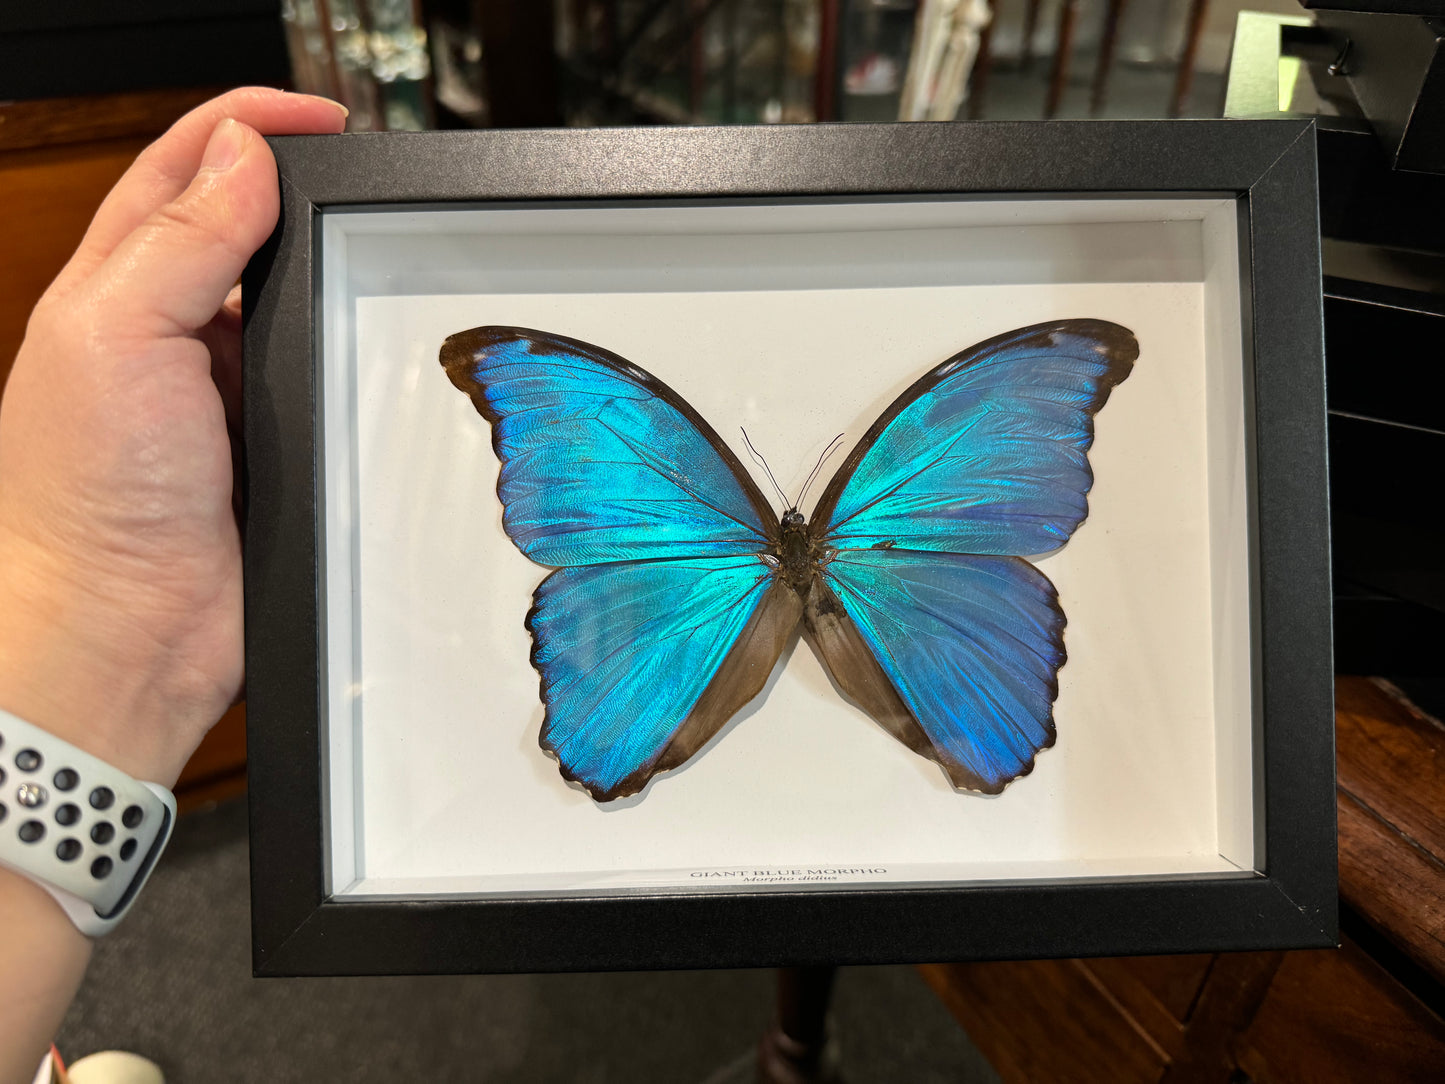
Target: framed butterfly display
(674,549)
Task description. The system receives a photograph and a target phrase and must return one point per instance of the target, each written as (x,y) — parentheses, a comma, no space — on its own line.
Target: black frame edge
(297,930)
(282,594)
(1292,480)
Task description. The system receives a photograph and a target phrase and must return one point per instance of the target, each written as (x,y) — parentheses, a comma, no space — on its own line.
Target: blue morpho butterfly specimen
(676,586)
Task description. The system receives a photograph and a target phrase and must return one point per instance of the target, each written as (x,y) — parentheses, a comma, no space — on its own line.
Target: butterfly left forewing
(663,618)
(601,461)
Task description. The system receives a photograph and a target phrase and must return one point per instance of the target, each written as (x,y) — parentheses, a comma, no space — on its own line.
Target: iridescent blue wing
(955,655)
(642,662)
(987,453)
(601,461)
(663,618)
(924,610)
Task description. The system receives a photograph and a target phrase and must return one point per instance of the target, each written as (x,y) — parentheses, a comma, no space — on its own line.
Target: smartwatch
(82,829)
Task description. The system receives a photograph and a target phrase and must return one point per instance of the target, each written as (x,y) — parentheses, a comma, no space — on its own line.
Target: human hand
(120,559)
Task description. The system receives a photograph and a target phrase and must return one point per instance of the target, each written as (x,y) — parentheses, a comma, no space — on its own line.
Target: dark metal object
(1395,65)
(794,1049)
(1384,348)
(1340,65)
(1362,199)
(1267,166)
(1387,426)
(1387,455)
(1381,7)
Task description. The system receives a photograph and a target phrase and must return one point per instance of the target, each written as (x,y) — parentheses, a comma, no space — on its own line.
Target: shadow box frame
(300,926)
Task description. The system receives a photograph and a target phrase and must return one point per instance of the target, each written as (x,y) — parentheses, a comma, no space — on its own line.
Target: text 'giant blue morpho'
(676,586)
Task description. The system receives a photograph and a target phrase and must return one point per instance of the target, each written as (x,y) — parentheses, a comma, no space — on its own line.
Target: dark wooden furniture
(794,1049)
(1184,74)
(1369,1011)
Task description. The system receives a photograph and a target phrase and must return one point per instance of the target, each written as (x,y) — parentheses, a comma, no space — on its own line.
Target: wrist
(74,662)
(84,829)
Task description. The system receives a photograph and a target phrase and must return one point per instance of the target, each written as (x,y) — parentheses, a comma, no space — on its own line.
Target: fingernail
(329,101)
(224,146)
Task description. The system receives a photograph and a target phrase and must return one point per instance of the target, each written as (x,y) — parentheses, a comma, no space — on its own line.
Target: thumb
(172,273)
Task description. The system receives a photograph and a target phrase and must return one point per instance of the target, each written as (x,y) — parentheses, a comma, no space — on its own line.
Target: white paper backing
(438,785)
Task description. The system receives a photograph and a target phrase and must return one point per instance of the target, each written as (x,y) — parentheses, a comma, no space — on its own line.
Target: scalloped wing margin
(986,453)
(643,662)
(969,647)
(601,461)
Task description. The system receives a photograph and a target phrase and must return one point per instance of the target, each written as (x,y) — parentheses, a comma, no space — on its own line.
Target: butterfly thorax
(797,552)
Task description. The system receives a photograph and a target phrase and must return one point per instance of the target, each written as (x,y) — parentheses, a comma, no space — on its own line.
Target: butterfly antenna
(829,450)
(759,457)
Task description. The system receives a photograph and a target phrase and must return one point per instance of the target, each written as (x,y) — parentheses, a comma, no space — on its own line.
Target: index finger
(162,171)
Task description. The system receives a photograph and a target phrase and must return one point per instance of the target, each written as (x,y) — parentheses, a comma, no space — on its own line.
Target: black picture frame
(1269,166)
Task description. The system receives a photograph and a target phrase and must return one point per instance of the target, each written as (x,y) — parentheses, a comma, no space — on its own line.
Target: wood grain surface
(1339,1018)
(1046,1020)
(53,122)
(1391,800)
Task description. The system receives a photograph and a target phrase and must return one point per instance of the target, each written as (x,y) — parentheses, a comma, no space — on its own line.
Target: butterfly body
(677,586)
(796,555)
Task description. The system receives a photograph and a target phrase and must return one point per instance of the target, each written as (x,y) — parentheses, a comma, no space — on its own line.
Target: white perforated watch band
(82,829)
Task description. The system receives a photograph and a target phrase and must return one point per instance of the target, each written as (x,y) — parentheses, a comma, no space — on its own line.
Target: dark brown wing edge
(850,661)
(458,355)
(1118,342)
(741,676)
